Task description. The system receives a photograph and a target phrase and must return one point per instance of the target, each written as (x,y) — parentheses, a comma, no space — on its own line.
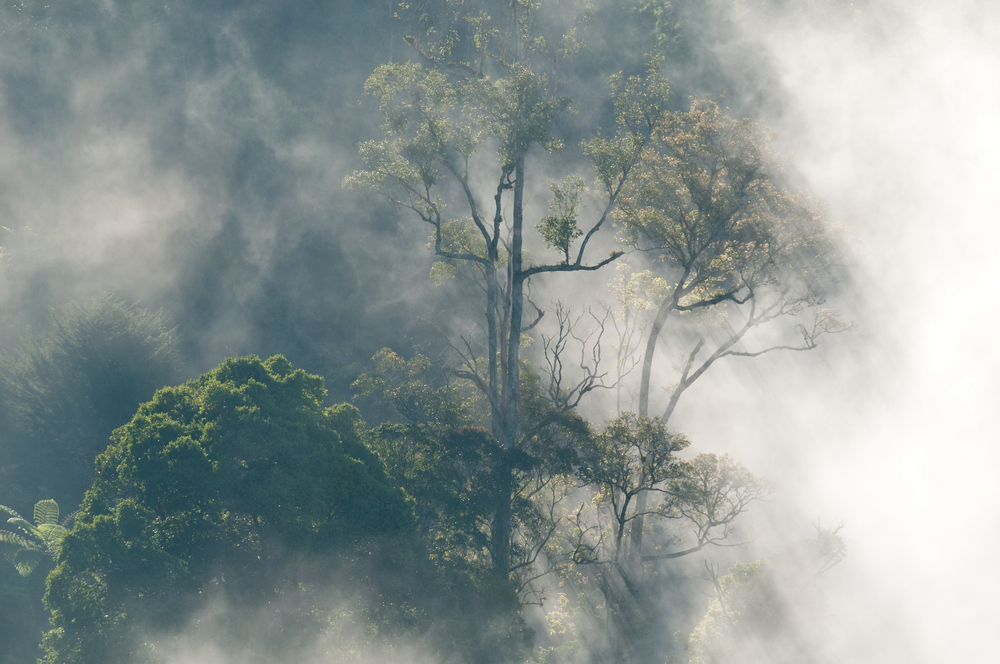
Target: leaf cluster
(636,476)
(214,484)
(559,227)
(705,201)
(442,455)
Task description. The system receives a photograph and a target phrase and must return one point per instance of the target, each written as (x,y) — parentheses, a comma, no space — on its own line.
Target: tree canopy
(216,483)
(708,205)
(486,93)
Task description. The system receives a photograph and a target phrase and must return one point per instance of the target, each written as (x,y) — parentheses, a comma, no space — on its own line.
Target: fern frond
(25,562)
(24,527)
(9,537)
(52,535)
(46,511)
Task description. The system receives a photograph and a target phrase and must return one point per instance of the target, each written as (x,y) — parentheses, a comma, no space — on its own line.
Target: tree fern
(27,544)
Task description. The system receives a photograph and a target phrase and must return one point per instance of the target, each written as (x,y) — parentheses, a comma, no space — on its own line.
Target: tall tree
(708,205)
(635,474)
(483,98)
(725,235)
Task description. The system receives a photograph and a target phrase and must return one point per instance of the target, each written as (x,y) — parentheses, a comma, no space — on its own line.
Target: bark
(511,388)
(647,365)
(647,358)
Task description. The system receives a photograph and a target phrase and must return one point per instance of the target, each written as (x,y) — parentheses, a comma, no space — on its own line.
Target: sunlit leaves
(639,102)
(704,199)
(632,454)
(516,109)
(424,132)
(714,490)
(559,227)
(408,386)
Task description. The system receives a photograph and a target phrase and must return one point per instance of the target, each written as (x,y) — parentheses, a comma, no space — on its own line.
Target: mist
(891,119)
(193,165)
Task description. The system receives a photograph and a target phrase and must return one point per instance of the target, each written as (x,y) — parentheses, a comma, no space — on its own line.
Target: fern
(27,544)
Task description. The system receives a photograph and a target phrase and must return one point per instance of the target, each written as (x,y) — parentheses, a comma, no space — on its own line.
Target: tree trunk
(647,357)
(512,382)
(496,414)
(635,548)
(502,519)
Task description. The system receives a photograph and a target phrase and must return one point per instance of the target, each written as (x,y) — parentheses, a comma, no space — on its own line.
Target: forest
(474,331)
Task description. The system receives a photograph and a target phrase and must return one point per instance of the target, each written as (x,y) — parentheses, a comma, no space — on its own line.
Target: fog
(892,119)
(207,183)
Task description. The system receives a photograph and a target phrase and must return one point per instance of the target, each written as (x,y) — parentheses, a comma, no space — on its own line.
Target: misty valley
(481,331)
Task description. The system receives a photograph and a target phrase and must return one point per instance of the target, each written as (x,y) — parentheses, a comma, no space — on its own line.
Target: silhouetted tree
(70,384)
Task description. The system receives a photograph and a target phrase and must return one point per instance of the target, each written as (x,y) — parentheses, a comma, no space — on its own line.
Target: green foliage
(644,505)
(433,446)
(705,199)
(71,384)
(488,458)
(32,544)
(218,483)
(440,452)
(705,203)
(491,77)
(638,480)
(713,491)
(559,228)
(632,454)
(639,102)
(417,392)
(31,547)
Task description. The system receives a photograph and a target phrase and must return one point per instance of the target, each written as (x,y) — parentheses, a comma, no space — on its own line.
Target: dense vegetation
(469,506)
(218,486)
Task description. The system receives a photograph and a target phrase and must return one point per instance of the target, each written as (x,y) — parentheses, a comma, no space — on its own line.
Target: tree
(694,190)
(638,480)
(706,204)
(31,547)
(237,484)
(768,610)
(457,472)
(31,544)
(71,384)
(484,98)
